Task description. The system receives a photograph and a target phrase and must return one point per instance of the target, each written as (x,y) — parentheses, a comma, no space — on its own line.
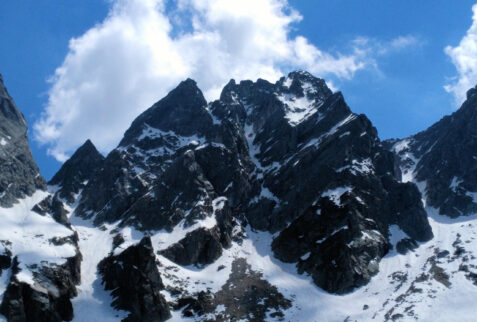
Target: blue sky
(387,57)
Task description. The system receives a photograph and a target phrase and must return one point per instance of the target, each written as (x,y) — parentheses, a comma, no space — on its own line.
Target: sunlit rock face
(19,175)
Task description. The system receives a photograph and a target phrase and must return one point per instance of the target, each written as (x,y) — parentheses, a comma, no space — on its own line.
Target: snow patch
(336,193)
(31,235)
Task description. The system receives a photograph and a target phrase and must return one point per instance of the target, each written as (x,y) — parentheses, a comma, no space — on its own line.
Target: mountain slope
(39,255)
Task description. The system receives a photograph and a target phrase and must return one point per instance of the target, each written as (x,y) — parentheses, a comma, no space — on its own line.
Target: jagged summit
(443,159)
(302,83)
(75,173)
(265,155)
(201,206)
(182,111)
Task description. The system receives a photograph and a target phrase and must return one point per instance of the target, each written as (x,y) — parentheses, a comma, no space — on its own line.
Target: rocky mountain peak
(471,92)
(85,151)
(304,84)
(183,111)
(441,158)
(76,171)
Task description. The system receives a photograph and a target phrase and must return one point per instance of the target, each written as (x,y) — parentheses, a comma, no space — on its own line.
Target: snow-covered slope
(39,256)
(439,276)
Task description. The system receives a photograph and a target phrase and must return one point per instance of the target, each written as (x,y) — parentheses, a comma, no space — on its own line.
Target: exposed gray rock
(19,175)
(48,299)
(203,246)
(75,173)
(444,157)
(199,247)
(55,207)
(135,282)
(245,296)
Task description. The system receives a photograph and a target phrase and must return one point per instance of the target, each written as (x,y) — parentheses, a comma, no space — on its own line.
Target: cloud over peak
(144,48)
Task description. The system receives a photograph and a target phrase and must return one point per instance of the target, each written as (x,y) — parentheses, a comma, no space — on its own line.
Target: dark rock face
(199,247)
(48,299)
(55,207)
(271,151)
(245,295)
(19,175)
(341,253)
(203,246)
(77,171)
(135,282)
(5,260)
(444,157)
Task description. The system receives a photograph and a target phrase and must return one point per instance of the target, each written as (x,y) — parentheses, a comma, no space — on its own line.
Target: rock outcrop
(19,174)
(442,160)
(135,282)
(38,249)
(48,298)
(75,173)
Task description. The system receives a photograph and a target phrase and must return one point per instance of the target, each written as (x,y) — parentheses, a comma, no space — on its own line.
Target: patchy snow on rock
(363,166)
(215,120)
(455,183)
(218,203)
(172,141)
(317,141)
(408,166)
(29,236)
(336,193)
(163,239)
(401,146)
(298,109)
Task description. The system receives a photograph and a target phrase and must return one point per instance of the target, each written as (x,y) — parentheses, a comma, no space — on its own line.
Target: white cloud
(144,48)
(375,47)
(402,42)
(464,57)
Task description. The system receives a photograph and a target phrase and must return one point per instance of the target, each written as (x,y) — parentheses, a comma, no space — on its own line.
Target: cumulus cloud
(464,57)
(144,48)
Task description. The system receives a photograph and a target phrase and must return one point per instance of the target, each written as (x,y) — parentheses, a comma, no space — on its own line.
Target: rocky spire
(19,174)
(76,172)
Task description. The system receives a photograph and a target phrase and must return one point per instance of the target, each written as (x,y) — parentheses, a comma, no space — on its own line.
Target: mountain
(195,176)
(274,202)
(39,254)
(442,159)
